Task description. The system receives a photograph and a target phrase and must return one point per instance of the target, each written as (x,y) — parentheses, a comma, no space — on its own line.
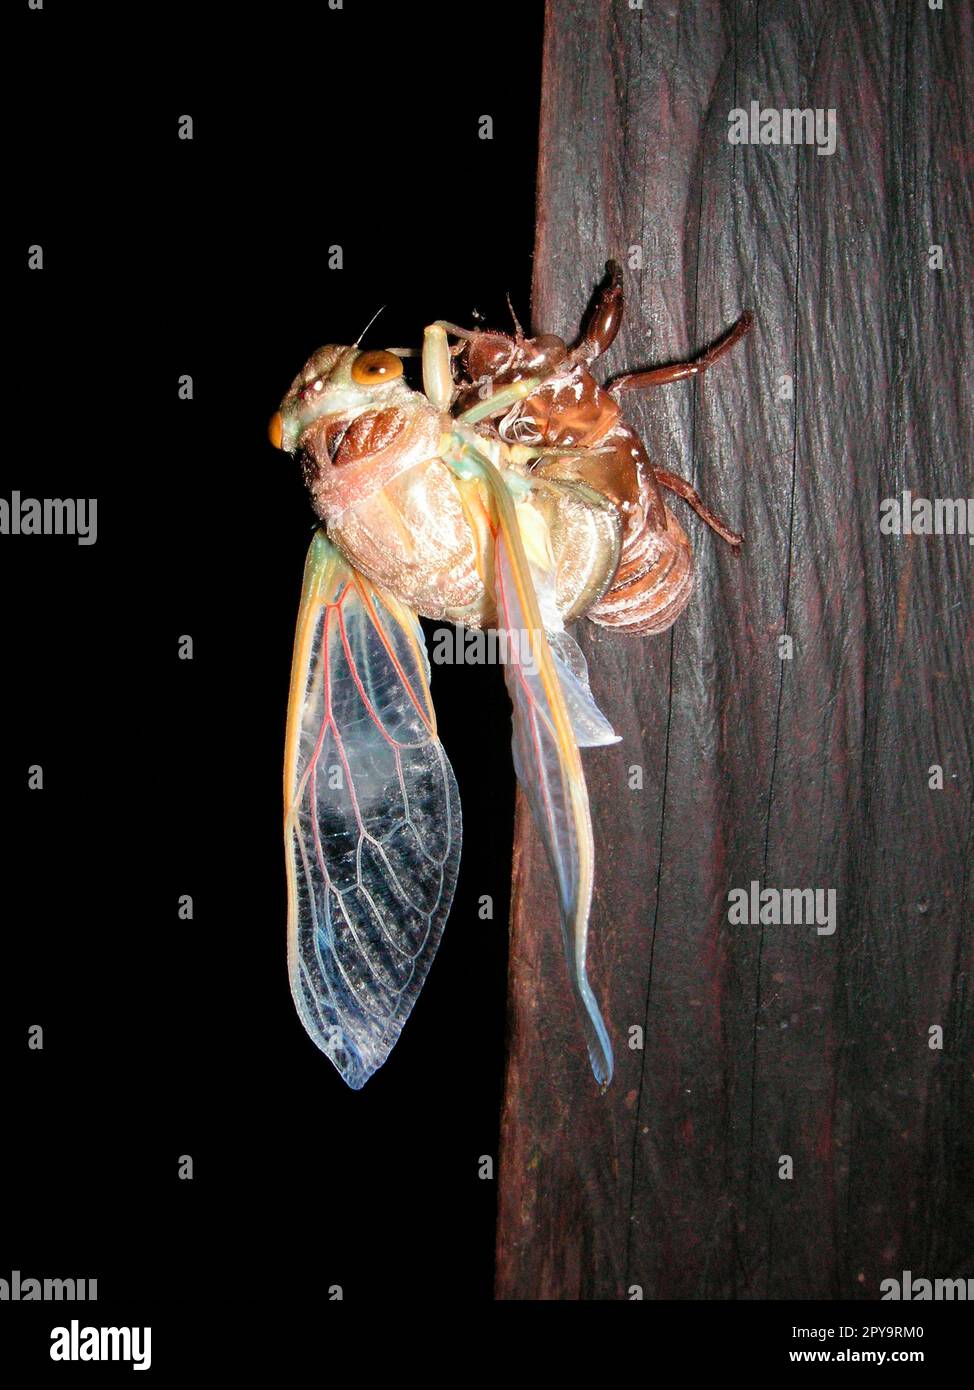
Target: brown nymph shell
(570,410)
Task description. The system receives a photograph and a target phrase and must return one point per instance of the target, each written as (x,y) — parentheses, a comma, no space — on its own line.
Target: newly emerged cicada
(510,496)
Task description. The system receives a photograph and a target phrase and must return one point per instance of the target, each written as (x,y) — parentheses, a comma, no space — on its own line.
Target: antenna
(518,330)
(369,325)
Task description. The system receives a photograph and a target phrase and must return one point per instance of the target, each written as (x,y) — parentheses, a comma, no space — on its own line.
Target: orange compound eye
(275,430)
(373,368)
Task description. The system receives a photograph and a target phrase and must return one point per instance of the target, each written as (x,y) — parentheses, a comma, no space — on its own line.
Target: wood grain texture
(761,1042)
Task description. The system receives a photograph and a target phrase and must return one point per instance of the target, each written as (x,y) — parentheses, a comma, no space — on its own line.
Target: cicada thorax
(653,579)
(404,519)
(390,504)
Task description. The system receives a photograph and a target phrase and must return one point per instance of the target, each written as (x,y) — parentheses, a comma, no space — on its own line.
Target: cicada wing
(589,724)
(372,816)
(546,757)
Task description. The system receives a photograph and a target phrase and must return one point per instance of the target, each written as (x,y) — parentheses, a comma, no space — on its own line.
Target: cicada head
(337,384)
(355,422)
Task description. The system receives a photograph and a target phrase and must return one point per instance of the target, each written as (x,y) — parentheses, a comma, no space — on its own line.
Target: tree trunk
(765,1043)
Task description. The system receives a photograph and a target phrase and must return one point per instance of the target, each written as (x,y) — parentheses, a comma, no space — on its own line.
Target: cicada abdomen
(573,429)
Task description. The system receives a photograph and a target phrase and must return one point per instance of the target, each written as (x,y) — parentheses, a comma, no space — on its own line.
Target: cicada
(508,494)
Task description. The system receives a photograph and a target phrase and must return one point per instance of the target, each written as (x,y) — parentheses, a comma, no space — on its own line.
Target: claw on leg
(602,327)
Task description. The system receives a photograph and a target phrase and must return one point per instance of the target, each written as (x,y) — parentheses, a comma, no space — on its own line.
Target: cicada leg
(437,368)
(604,321)
(679,371)
(682,488)
(438,379)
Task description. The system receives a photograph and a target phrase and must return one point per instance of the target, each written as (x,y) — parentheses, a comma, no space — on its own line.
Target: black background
(163,777)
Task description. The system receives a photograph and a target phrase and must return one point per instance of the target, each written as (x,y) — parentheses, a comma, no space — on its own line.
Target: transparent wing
(546,756)
(372,816)
(589,724)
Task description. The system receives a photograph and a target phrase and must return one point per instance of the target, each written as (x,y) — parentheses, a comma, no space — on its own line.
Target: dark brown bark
(813,772)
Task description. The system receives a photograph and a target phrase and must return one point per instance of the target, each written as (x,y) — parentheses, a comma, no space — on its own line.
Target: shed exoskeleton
(577,429)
